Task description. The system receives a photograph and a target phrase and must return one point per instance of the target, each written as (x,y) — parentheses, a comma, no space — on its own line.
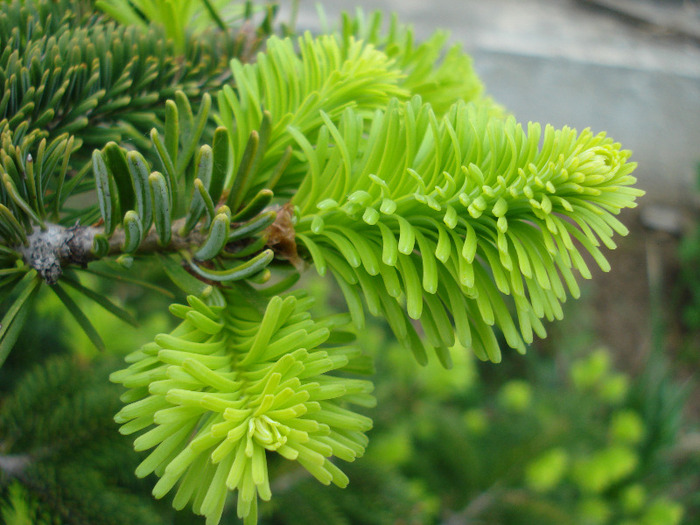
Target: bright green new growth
(181,19)
(448,215)
(231,385)
(439,76)
(293,88)
(327,75)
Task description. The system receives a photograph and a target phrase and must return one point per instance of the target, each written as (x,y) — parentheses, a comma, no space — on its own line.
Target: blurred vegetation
(689,255)
(559,440)
(568,438)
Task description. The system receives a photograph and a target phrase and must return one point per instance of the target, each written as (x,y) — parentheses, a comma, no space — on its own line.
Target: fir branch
(444,215)
(440,75)
(131,197)
(234,384)
(50,251)
(294,87)
(68,65)
(125,180)
(455,215)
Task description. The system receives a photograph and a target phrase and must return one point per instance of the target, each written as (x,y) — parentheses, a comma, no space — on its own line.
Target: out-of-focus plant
(184,20)
(578,447)
(689,254)
(67,463)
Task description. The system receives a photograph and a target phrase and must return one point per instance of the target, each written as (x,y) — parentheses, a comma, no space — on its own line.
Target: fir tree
(235,159)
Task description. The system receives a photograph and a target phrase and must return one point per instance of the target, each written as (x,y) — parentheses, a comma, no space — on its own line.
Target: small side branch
(47,251)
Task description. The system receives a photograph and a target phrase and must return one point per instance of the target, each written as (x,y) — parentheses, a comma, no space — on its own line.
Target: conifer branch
(232,385)
(49,251)
(440,220)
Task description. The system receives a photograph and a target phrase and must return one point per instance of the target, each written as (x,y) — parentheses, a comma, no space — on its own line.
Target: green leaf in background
(16,315)
(102,300)
(79,316)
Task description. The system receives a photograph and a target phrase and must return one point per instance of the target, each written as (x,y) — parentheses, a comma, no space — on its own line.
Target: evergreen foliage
(472,197)
(184,21)
(66,70)
(69,447)
(377,495)
(231,384)
(356,152)
(71,81)
(440,76)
